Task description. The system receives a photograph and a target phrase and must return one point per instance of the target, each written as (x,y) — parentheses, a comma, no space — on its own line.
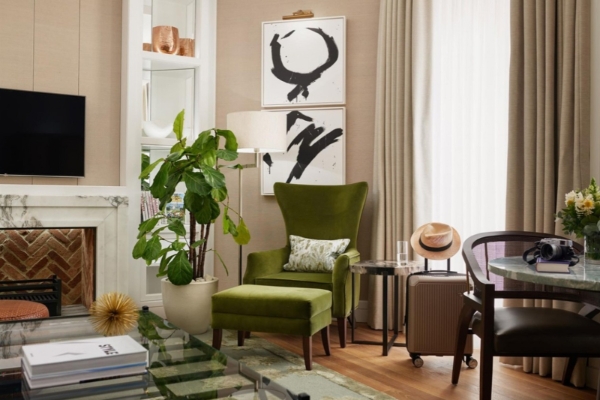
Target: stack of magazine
(75,361)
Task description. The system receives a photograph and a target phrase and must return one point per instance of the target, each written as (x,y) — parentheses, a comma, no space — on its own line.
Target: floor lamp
(256,132)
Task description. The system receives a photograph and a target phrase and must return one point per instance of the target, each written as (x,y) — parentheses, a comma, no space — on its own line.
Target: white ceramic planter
(188,306)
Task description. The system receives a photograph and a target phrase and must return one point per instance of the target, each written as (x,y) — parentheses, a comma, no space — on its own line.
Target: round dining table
(581,277)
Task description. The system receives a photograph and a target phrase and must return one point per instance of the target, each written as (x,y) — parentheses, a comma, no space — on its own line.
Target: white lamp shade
(259,131)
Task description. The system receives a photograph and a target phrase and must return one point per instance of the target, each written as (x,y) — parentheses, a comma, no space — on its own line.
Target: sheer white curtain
(454,58)
(464,172)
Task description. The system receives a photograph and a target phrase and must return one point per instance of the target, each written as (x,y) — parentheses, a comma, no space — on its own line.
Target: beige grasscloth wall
(239,89)
(69,47)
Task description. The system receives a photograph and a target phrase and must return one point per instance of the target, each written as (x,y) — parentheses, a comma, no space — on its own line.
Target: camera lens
(551,252)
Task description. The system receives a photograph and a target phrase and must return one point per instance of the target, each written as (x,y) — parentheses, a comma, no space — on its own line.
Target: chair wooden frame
(482,300)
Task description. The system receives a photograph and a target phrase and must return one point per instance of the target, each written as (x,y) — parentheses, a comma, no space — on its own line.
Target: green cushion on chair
(313,280)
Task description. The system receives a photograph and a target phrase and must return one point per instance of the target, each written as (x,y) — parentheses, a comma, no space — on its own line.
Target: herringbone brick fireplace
(41,253)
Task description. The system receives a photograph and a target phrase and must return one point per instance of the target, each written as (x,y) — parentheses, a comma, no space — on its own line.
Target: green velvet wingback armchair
(316,212)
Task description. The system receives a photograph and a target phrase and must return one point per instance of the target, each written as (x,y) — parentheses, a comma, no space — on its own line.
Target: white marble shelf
(164,62)
(151,143)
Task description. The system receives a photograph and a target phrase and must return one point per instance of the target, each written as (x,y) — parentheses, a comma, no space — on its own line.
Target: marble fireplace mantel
(108,214)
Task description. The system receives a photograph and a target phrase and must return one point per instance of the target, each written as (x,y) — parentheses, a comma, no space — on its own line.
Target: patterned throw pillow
(312,255)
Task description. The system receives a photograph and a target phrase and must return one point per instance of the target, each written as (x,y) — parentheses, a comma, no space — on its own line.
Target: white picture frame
(327,166)
(310,62)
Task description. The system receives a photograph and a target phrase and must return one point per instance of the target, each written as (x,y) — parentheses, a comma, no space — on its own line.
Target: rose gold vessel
(165,39)
(186,47)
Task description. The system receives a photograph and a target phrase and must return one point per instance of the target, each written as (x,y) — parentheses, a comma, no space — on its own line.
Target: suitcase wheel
(471,362)
(417,361)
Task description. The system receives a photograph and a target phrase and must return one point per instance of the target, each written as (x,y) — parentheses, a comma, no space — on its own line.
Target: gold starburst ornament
(113,314)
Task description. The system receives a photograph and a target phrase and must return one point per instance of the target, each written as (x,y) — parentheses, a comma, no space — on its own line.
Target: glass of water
(402,252)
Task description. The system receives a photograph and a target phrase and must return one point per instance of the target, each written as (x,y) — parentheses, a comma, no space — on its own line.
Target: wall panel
(15,180)
(56,56)
(16,55)
(16,45)
(53,181)
(56,46)
(239,33)
(70,47)
(100,82)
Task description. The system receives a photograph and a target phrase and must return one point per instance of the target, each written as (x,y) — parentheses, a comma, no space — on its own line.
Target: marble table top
(581,277)
(379,267)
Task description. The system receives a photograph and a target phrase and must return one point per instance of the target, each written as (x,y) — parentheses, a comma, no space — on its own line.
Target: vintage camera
(551,249)
(556,249)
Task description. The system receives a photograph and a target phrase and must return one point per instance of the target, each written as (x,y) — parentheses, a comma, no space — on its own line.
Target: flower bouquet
(581,216)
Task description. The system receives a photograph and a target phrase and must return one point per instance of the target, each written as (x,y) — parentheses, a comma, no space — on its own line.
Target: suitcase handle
(437,271)
(447,265)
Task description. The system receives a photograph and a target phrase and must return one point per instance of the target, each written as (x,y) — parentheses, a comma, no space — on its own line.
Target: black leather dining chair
(516,331)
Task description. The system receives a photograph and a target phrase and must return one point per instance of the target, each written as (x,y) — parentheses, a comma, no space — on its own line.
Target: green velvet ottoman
(272,309)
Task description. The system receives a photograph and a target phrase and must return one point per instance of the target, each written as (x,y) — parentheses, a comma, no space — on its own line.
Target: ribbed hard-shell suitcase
(433,304)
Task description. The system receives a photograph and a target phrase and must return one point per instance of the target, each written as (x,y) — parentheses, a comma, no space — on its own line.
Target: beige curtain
(549,133)
(399,48)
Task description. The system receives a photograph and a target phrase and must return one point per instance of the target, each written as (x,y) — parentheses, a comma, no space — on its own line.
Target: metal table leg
(387,342)
(385,314)
(353,322)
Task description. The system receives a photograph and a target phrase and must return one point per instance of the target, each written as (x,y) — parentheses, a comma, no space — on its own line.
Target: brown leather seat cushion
(539,331)
(11,310)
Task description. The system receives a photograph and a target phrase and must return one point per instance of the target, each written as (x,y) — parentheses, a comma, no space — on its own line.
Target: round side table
(386,269)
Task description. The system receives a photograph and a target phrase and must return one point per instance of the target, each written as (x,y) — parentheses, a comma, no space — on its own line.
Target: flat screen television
(42,134)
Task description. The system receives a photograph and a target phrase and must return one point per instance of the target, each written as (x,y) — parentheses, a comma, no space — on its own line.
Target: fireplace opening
(35,259)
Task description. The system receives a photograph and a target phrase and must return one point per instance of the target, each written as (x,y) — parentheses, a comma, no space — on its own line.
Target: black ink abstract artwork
(301,80)
(304,62)
(315,151)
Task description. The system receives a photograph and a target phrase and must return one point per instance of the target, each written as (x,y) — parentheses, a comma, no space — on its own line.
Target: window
(467,135)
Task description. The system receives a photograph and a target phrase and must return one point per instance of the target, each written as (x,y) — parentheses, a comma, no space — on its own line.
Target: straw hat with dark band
(435,241)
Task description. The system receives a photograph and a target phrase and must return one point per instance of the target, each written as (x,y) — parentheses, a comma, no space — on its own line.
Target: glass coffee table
(181,365)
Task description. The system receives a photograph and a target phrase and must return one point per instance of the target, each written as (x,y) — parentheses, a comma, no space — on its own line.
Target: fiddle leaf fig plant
(145,163)
(206,198)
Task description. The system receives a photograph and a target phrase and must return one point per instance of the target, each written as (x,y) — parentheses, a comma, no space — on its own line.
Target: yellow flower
(584,205)
(570,198)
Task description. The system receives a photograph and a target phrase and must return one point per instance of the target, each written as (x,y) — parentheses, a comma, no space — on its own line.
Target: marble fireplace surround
(108,214)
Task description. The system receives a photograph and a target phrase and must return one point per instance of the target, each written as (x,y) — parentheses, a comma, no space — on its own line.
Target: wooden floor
(396,376)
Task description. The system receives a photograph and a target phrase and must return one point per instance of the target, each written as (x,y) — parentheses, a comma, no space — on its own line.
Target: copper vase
(186,47)
(165,39)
